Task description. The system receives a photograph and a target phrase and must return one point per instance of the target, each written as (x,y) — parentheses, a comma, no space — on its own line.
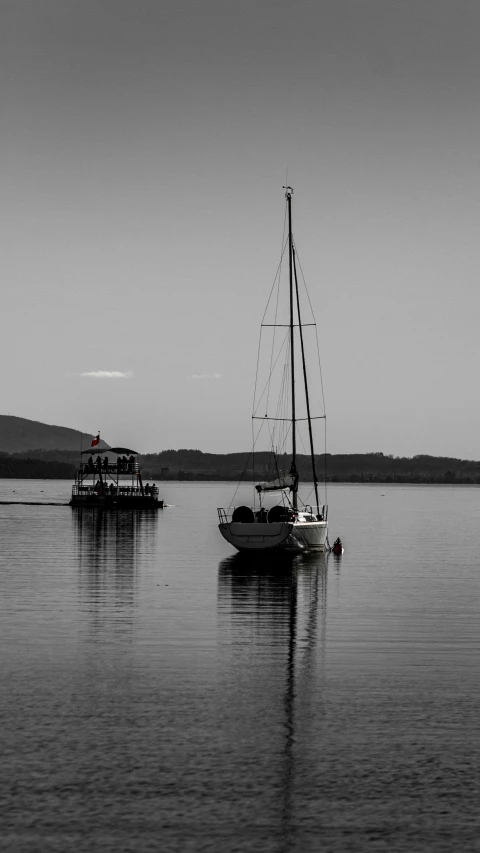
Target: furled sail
(279,485)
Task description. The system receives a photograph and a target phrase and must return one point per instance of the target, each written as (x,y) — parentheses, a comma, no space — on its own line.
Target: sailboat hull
(289,537)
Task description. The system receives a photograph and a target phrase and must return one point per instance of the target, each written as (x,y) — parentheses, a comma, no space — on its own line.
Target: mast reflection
(283,597)
(277,611)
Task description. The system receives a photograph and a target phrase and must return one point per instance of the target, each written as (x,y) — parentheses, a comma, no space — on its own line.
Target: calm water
(159,693)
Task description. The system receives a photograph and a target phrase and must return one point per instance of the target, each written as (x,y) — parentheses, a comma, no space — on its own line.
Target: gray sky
(143,150)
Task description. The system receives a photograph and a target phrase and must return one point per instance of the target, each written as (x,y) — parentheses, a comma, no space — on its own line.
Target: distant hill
(18,435)
(32,449)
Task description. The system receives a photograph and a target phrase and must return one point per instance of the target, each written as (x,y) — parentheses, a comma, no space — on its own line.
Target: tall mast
(305,381)
(293,469)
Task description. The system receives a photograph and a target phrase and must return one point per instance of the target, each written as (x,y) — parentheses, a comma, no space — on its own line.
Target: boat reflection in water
(277,596)
(110,547)
(272,623)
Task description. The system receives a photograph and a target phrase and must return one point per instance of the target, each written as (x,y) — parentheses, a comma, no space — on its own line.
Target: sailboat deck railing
(225,515)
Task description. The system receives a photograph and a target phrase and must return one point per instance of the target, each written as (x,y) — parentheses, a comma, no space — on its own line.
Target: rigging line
(253,449)
(316,332)
(276,307)
(276,465)
(308,495)
(271,373)
(302,443)
(325,467)
(269,377)
(284,427)
(321,375)
(280,431)
(284,423)
(285,440)
(273,430)
(285,325)
(265,418)
(276,277)
(321,383)
(304,502)
(288,196)
(257,436)
(307,399)
(283,383)
(283,400)
(282,403)
(305,286)
(255,415)
(256,371)
(241,477)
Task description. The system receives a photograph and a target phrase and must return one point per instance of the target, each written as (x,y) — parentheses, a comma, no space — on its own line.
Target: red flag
(95,440)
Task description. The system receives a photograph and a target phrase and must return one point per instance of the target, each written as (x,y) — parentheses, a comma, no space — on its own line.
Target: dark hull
(116,502)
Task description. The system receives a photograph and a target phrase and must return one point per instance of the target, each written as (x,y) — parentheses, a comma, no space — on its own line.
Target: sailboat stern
(295,537)
(255,536)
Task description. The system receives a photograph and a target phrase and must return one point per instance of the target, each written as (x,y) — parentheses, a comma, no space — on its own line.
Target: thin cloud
(206,375)
(107,374)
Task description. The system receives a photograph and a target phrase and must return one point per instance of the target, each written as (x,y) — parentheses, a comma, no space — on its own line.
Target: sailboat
(290,525)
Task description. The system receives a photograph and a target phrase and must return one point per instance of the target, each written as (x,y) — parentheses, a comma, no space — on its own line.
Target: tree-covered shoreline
(194,465)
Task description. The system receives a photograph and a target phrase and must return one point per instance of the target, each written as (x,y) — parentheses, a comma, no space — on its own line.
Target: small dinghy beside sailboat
(337,547)
(290,525)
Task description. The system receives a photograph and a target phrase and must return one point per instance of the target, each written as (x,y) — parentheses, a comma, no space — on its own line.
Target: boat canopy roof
(120,450)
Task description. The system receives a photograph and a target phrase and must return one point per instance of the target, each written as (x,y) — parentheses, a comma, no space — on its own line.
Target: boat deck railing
(122,491)
(111,468)
(305,513)
(256,514)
